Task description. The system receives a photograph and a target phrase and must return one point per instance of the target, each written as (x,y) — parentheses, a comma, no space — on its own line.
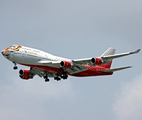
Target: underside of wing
(41,73)
(76,69)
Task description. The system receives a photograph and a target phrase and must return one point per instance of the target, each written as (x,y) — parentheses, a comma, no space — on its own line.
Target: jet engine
(96,61)
(25,74)
(65,64)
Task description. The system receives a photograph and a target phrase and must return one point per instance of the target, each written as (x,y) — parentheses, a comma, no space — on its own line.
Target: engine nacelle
(65,64)
(96,61)
(25,74)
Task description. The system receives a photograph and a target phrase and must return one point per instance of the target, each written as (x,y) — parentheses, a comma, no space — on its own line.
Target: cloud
(128,104)
(32,99)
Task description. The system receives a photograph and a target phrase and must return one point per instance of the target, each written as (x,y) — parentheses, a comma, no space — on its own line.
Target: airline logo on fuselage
(30,52)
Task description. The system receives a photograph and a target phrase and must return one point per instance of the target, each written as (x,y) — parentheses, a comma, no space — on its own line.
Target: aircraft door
(39,56)
(24,53)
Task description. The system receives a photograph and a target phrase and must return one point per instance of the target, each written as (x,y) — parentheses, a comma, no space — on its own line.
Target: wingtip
(137,51)
(130,66)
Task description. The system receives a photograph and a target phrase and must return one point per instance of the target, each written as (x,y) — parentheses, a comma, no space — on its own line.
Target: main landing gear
(63,76)
(15,67)
(46,78)
(58,77)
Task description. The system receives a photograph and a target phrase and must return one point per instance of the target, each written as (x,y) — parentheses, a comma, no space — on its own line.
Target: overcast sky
(72,29)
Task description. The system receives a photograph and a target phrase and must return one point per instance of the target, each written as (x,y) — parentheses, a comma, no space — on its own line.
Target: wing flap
(76,69)
(116,69)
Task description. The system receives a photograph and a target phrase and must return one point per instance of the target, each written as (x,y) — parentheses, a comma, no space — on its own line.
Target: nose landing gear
(15,67)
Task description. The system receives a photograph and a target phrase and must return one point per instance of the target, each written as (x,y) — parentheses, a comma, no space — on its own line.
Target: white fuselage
(32,56)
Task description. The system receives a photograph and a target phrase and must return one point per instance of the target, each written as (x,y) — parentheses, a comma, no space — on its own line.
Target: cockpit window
(14,47)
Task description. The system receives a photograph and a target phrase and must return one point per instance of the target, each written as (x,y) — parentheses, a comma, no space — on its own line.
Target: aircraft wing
(55,64)
(119,55)
(104,57)
(82,61)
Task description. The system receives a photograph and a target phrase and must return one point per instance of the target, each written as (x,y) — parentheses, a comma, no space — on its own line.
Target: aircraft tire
(46,80)
(15,67)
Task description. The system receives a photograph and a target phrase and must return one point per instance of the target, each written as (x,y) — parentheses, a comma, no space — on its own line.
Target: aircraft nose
(5,52)
(2,52)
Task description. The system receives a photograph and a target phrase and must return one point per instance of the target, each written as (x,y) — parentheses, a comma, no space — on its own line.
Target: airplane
(49,66)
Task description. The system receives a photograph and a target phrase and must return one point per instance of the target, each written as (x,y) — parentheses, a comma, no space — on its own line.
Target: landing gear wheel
(64,77)
(57,78)
(46,80)
(15,67)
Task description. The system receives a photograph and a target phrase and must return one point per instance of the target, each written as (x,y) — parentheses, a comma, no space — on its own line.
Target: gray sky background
(72,29)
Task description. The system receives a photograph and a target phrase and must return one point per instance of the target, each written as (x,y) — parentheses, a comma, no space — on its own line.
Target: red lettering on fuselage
(30,52)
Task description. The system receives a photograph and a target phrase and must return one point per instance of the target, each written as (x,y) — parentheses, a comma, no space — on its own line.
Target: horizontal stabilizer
(116,69)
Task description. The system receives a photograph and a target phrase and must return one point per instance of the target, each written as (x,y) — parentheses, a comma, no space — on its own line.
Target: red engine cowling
(96,61)
(24,74)
(65,64)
